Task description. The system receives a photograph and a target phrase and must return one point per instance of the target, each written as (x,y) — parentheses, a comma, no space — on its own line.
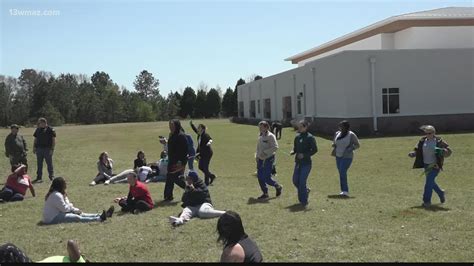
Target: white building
(389,77)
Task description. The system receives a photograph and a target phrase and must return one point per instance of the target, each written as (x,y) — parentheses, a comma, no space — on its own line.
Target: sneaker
(103,216)
(168,199)
(263,196)
(175,221)
(308,190)
(344,194)
(278,190)
(93,183)
(442,198)
(110,211)
(51,178)
(107,182)
(37,181)
(212,178)
(136,211)
(426,205)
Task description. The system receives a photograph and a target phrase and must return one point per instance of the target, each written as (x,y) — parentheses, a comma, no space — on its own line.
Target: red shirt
(140,192)
(19,183)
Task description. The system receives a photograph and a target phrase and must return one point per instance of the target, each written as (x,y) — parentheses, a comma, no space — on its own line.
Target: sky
(183,43)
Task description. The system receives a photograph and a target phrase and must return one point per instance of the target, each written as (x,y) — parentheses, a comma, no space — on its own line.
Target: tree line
(77,99)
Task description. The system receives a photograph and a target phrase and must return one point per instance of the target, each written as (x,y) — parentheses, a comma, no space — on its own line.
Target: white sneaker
(107,182)
(175,221)
(344,193)
(92,183)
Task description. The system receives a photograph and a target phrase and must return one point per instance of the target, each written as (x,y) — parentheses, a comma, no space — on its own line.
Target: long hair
(177,126)
(59,185)
(346,126)
(140,152)
(230,229)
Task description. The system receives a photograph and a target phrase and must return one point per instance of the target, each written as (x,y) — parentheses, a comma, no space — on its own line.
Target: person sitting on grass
(105,168)
(159,169)
(138,199)
(140,161)
(17,184)
(238,247)
(196,201)
(58,208)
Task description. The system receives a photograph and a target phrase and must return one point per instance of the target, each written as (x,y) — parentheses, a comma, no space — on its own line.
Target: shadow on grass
(297,207)
(164,203)
(340,197)
(433,208)
(253,200)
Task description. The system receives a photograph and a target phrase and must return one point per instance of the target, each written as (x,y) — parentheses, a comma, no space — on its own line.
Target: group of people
(304,146)
(178,152)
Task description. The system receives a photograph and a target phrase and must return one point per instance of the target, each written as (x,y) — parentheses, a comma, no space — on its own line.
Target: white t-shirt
(143,173)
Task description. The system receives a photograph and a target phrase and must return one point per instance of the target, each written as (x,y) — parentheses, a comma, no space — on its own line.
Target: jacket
(267,146)
(202,148)
(353,145)
(197,196)
(177,150)
(439,158)
(304,143)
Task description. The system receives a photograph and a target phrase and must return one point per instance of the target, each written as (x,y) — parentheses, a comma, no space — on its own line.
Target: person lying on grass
(138,199)
(196,201)
(58,208)
(17,184)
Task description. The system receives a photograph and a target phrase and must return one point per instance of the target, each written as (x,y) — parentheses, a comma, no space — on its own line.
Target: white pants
(205,210)
(122,177)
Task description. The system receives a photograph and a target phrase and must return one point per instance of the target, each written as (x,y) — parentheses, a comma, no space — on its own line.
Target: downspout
(372,88)
(313,70)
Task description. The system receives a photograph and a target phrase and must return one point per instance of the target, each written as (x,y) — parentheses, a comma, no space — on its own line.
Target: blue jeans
(431,185)
(68,217)
(8,194)
(44,154)
(343,165)
(264,174)
(300,176)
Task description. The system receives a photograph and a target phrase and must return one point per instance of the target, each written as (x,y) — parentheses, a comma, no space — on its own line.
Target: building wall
(431,82)
(445,37)
(371,43)
(434,37)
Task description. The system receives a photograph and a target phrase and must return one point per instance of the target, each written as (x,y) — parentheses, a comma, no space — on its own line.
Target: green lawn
(381,222)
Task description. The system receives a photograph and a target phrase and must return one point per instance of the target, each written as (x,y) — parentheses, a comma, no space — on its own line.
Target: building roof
(449,16)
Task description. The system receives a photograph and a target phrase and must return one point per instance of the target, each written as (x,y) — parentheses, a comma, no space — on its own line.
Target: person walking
(344,143)
(177,158)
(204,151)
(267,146)
(429,154)
(43,147)
(15,147)
(304,146)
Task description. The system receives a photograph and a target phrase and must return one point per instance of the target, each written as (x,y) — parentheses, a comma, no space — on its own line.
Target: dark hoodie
(197,196)
(177,146)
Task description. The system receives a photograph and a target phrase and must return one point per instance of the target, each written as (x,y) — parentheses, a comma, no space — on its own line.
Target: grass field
(382,222)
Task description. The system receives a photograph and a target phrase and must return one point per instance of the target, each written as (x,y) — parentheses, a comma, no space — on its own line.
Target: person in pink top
(17,184)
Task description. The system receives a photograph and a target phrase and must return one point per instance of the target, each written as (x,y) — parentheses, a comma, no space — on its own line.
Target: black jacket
(439,159)
(177,149)
(203,139)
(197,196)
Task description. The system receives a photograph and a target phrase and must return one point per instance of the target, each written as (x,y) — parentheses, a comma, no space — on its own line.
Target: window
(252,109)
(241,109)
(390,100)
(287,107)
(258,106)
(298,102)
(266,109)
